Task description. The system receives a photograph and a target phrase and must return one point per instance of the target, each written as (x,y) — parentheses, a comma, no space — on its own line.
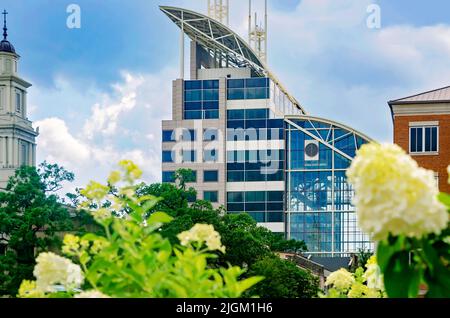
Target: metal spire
(5,29)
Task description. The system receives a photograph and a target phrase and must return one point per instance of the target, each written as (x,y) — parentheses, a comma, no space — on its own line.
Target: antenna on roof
(257,34)
(219,10)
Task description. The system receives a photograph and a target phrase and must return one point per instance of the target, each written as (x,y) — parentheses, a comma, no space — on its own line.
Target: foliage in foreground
(31,216)
(132,259)
(399,205)
(247,244)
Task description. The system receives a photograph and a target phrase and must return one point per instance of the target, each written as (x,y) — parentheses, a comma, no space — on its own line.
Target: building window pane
(190,85)
(211,84)
(434,139)
(168,176)
(168,156)
(211,105)
(168,136)
(192,197)
(211,176)
(210,155)
(211,114)
(189,135)
(189,155)
(210,134)
(423,139)
(18,102)
(211,196)
(190,115)
(236,114)
(192,106)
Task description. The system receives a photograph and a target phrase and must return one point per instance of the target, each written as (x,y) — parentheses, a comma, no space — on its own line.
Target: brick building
(422,128)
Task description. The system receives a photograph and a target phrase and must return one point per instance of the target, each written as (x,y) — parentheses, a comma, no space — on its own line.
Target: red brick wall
(436,163)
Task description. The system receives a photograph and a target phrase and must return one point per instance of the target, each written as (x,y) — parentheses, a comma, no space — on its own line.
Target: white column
(2,152)
(30,154)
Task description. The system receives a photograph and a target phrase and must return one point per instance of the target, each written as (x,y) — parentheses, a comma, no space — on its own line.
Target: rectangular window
(192,197)
(211,176)
(210,134)
(2,97)
(168,156)
(423,139)
(168,177)
(189,155)
(211,196)
(18,102)
(189,135)
(24,154)
(168,136)
(210,155)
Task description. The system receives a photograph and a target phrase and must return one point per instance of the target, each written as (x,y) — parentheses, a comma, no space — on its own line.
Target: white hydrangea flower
(52,269)
(393,194)
(202,233)
(340,279)
(91,294)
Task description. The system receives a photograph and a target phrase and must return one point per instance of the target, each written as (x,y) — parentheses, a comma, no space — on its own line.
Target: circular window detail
(312,150)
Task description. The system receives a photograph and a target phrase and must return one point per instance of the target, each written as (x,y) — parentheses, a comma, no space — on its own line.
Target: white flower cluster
(373,275)
(340,279)
(394,195)
(52,270)
(202,233)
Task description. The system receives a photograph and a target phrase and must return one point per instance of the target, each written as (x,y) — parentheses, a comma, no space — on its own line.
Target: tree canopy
(30,218)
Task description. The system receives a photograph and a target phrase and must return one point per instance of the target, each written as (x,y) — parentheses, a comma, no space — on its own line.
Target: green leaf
(400,279)
(444,198)
(385,251)
(159,217)
(245,284)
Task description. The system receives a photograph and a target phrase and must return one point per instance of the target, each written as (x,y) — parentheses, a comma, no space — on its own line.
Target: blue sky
(100,92)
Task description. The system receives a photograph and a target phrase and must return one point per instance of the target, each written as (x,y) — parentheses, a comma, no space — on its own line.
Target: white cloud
(122,124)
(59,143)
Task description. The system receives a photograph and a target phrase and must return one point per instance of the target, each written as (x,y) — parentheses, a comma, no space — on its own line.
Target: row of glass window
(249,82)
(260,113)
(188,106)
(209,134)
(255,196)
(169,156)
(208,176)
(201,114)
(273,165)
(255,134)
(253,156)
(255,123)
(248,93)
(255,207)
(201,84)
(255,176)
(169,177)
(201,95)
(262,217)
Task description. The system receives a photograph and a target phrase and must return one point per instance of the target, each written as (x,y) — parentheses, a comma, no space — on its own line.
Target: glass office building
(252,146)
(319,206)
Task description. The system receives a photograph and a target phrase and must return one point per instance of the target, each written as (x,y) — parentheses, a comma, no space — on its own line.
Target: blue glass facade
(319,207)
(249,88)
(263,206)
(201,99)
